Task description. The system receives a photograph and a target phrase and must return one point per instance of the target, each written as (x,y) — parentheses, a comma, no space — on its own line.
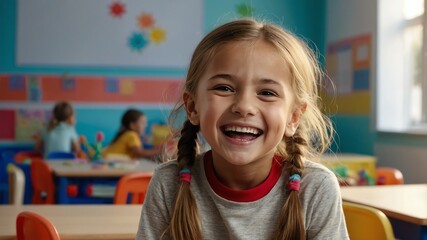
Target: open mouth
(242,133)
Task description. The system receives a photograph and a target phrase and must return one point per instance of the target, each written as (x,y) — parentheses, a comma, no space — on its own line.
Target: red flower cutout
(117,9)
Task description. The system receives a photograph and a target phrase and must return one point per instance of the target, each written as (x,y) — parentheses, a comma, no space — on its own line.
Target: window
(402,66)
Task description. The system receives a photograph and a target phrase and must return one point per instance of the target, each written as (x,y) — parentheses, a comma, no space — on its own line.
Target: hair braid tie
(294,182)
(185,175)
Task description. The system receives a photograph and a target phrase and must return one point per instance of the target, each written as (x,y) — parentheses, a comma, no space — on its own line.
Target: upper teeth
(242,129)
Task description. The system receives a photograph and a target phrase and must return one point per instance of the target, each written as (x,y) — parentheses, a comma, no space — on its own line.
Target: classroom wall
(306,18)
(356,132)
(346,20)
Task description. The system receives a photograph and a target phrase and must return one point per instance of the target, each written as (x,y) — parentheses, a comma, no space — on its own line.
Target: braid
(291,224)
(187,145)
(185,222)
(294,150)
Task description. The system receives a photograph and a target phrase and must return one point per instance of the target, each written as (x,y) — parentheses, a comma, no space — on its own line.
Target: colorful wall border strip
(88,89)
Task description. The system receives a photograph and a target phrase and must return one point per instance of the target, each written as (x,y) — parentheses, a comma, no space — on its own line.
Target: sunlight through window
(413,8)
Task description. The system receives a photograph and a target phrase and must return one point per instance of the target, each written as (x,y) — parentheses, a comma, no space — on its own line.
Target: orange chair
(134,184)
(42,182)
(388,176)
(30,225)
(20,157)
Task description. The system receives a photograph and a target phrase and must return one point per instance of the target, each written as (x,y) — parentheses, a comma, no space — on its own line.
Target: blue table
(101,177)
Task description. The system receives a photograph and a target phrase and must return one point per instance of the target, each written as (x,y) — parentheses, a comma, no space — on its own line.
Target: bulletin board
(22,124)
(348,65)
(131,33)
(30,121)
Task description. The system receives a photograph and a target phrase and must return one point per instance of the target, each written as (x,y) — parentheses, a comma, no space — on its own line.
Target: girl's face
(140,125)
(244,104)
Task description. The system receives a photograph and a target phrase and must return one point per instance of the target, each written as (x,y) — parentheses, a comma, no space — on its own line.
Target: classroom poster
(29,122)
(348,65)
(131,33)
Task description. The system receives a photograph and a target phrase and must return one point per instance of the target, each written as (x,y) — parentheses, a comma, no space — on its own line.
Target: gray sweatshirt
(224,219)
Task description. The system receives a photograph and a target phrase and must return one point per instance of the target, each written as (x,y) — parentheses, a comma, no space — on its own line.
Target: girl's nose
(244,105)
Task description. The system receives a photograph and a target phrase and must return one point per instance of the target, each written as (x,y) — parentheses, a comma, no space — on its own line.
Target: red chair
(135,184)
(30,225)
(388,176)
(42,182)
(20,157)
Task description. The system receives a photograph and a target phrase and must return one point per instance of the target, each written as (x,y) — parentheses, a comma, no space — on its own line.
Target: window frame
(423,20)
(393,90)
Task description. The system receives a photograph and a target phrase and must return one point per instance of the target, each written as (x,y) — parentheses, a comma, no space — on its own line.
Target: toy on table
(93,150)
(348,177)
(365,179)
(345,176)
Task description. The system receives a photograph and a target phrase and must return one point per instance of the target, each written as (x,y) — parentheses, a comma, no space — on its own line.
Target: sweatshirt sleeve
(155,214)
(324,213)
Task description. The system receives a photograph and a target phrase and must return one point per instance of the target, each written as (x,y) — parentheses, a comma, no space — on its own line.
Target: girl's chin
(239,159)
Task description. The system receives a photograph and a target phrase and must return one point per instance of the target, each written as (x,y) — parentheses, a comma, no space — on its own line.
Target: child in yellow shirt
(127,140)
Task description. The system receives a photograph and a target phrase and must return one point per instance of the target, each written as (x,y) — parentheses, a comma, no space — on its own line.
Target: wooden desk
(66,171)
(406,203)
(75,222)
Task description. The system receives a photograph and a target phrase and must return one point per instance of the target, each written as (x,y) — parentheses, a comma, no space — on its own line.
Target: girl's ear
(190,108)
(293,122)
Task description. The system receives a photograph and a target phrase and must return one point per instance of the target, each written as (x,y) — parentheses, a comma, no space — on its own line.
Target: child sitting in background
(61,135)
(127,141)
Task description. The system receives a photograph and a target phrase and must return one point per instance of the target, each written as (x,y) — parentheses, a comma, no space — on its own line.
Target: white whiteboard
(85,33)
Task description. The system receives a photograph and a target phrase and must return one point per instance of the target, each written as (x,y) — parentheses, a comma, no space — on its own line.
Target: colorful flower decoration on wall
(157,35)
(145,21)
(117,9)
(149,33)
(138,41)
(245,10)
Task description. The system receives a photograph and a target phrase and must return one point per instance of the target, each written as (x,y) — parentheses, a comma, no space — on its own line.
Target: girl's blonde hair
(313,136)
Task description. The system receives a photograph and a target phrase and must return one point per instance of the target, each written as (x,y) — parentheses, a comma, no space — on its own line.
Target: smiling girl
(252,93)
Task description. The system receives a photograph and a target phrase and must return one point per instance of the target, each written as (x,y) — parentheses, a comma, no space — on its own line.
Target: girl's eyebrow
(221,75)
(269,81)
(230,77)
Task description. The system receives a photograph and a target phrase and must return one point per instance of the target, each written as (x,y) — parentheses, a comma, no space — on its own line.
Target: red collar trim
(248,195)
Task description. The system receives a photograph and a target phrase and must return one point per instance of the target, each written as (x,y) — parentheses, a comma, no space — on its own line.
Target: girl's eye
(223,88)
(267,93)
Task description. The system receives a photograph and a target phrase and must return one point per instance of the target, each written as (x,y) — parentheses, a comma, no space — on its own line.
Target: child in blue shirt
(61,135)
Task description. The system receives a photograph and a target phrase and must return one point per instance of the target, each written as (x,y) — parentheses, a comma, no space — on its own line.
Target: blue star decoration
(138,41)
